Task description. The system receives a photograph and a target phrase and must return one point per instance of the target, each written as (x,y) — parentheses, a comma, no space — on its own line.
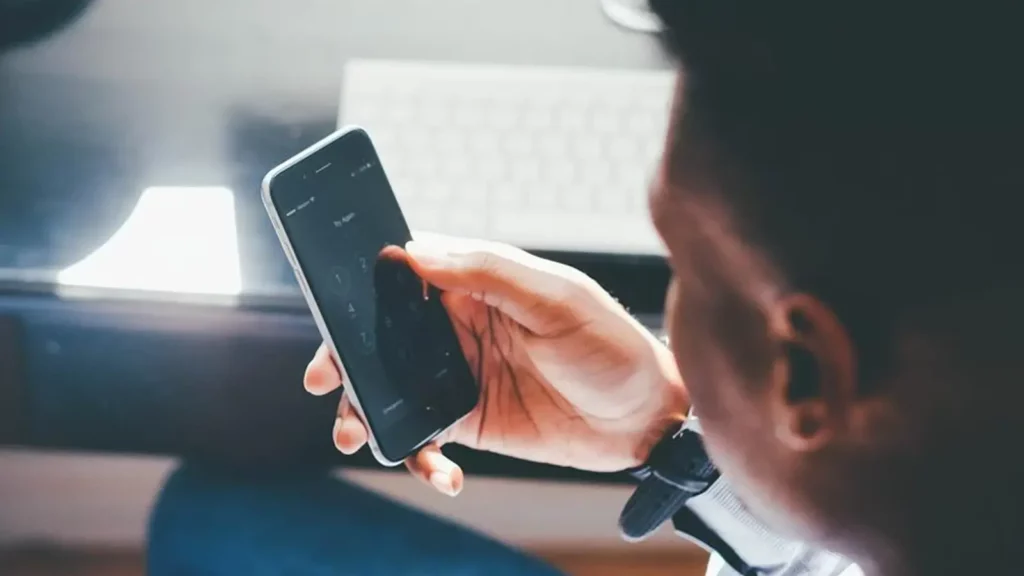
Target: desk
(189,93)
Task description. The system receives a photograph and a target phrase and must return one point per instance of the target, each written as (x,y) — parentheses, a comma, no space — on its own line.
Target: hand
(567,376)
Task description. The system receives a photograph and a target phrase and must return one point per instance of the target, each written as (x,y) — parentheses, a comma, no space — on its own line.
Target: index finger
(539,294)
(322,376)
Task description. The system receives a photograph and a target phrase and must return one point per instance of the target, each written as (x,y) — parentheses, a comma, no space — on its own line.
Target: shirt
(742,546)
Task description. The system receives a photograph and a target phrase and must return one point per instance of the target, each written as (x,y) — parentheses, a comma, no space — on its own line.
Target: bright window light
(177,239)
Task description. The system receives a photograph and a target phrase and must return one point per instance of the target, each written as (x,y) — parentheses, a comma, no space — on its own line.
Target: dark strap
(678,469)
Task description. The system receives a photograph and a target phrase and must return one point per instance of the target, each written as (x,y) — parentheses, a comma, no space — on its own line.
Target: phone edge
(311,303)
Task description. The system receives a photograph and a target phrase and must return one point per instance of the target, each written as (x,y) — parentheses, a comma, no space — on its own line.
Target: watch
(677,469)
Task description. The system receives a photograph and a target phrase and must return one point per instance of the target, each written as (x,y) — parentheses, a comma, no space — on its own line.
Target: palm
(576,397)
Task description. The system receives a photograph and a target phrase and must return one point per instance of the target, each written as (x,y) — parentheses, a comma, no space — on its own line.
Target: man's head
(837,197)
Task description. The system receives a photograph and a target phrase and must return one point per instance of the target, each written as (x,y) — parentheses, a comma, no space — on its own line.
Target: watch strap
(677,469)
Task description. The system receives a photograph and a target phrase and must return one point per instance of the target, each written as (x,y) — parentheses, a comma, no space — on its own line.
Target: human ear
(814,374)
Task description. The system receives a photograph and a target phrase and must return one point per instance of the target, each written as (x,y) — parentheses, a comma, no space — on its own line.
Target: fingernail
(456,484)
(443,482)
(313,382)
(336,433)
(425,253)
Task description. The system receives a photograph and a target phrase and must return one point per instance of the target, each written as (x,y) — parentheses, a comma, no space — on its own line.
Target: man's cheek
(694,352)
(690,349)
(671,308)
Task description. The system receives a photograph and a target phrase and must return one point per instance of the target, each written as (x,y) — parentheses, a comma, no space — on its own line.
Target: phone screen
(392,333)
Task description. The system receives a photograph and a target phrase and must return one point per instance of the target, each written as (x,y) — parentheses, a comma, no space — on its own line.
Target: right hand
(567,376)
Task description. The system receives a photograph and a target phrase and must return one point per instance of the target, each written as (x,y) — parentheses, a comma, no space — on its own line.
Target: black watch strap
(677,469)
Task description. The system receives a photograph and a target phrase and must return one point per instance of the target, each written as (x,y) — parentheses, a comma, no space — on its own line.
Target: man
(834,197)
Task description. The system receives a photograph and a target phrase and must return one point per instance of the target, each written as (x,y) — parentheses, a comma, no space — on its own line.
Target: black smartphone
(344,234)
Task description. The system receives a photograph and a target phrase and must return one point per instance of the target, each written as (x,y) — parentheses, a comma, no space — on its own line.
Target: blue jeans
(208,525)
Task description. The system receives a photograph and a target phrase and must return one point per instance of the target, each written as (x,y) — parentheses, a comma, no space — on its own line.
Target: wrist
(670,403)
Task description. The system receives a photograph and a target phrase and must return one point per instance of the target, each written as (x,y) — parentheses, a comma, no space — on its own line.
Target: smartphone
(344,234)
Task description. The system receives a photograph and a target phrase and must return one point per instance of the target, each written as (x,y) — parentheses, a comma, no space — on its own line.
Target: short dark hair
(868,148)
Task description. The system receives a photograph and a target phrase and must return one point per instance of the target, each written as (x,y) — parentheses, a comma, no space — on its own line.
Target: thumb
(434,468)
(532,291)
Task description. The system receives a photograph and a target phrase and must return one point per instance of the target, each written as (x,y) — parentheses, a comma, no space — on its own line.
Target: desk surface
(187,93)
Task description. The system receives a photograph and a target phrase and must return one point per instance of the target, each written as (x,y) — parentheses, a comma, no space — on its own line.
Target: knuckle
(491,259)
(576,285)
(485,261)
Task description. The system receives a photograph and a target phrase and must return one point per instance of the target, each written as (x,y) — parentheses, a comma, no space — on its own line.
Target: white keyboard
(543,158)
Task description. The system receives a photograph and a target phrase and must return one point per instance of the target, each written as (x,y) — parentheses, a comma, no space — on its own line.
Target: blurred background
(147,314)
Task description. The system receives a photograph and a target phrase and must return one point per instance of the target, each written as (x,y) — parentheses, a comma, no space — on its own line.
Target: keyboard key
(526,171)
(469,117)
(415,140)
(537,118)
(449,141)
(643,123)
(434,116)
(399,113)
(471,193)
(434,191)
(543,198)
(572,119)
(611,200)
(518,144)
(625,148)
(454,168)
(588,149)
(505,195)
(605,122)
(502,117)
(419,167)
(490,169)
(552,145)
(561,173)
(596,174)
(482,143)
(577,199)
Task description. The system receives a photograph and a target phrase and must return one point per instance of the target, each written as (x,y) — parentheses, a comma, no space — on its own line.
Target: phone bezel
(300,274)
